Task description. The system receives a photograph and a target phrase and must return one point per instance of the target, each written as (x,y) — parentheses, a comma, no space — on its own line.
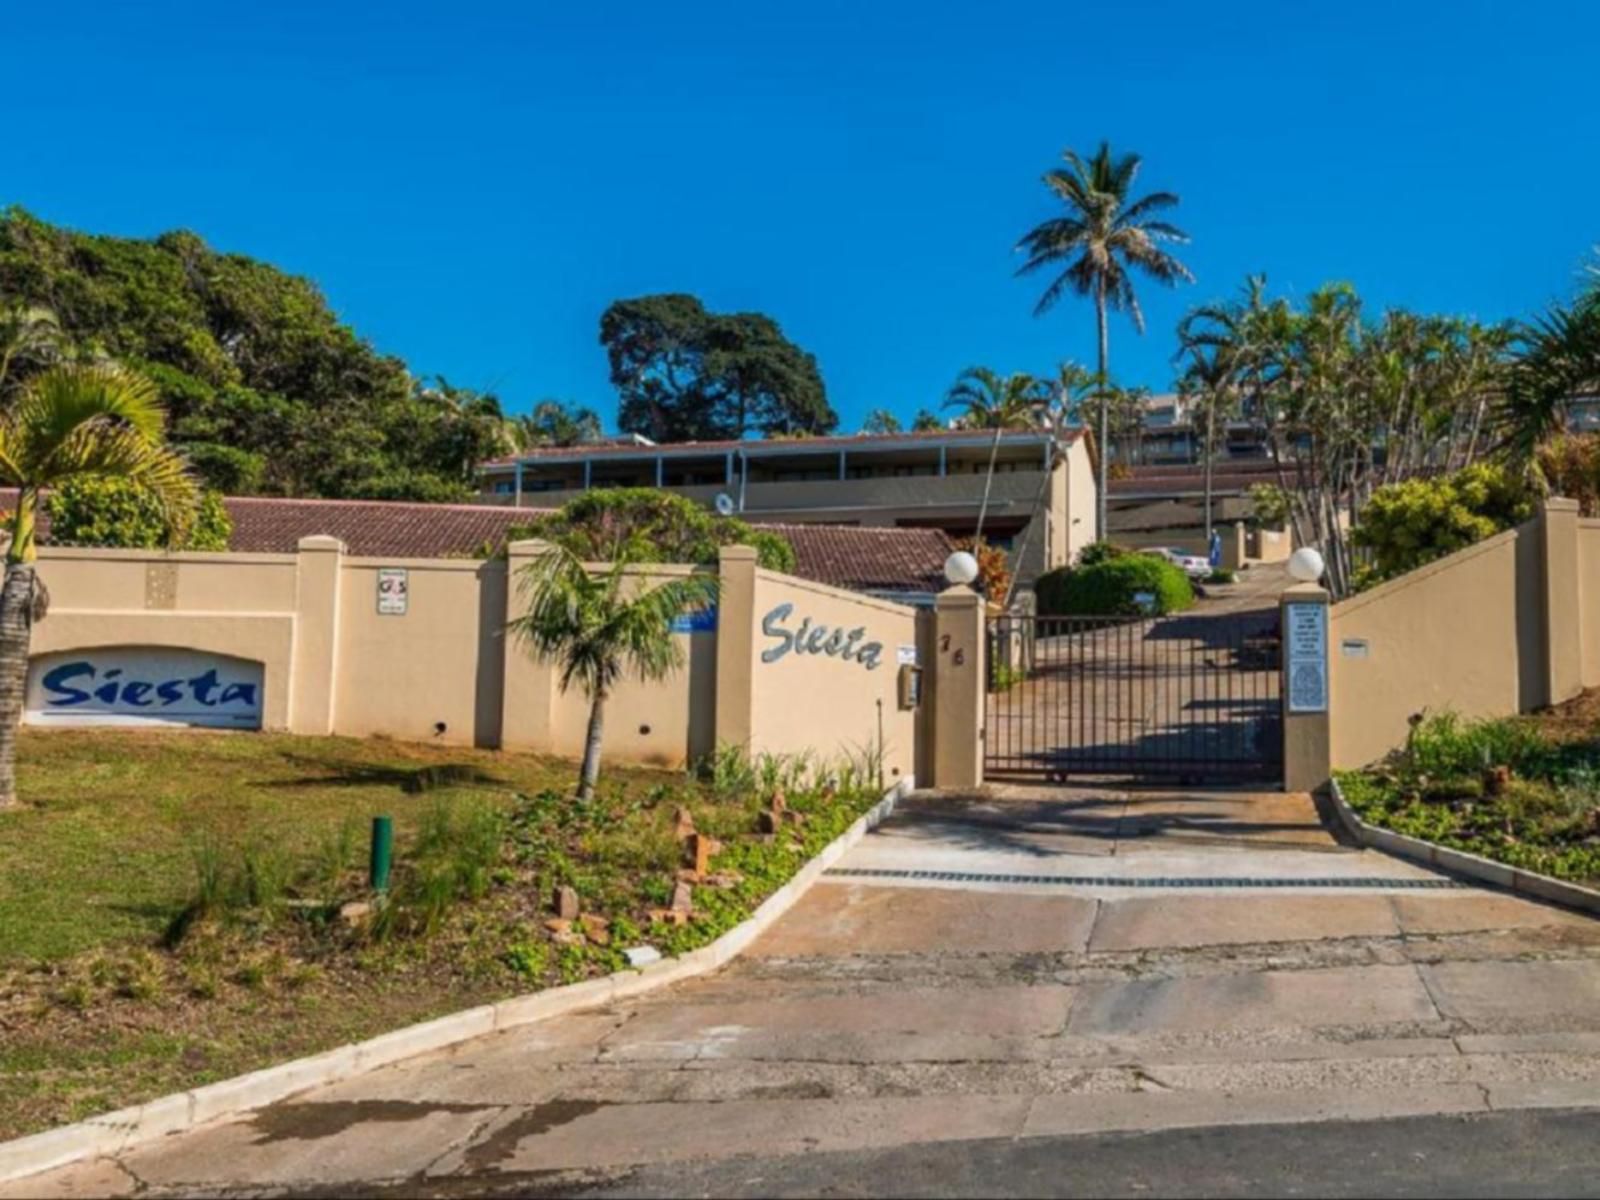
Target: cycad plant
(601,625)
(67,423)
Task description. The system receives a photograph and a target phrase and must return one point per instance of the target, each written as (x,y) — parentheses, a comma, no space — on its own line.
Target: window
(505,487)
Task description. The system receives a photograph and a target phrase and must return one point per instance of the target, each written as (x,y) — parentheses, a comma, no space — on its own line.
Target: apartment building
(1041,504)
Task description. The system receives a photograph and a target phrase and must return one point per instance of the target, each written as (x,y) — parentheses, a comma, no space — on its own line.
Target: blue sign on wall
(702,620)
(144,685)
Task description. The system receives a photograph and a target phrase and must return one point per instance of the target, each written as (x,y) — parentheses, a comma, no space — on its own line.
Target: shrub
(1270,504)
(1099,552)
(994,570)
(646,525)
(1108,588)
(1570,464)
(1447,746)
(1405,525)
(1220,575)
(115,512)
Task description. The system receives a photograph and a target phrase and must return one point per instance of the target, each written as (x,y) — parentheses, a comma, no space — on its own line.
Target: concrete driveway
(1006,969)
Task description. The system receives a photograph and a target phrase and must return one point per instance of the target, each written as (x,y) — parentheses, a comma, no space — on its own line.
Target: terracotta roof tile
(844,556)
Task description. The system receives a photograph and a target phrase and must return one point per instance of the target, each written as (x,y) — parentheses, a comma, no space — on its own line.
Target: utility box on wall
(910,686)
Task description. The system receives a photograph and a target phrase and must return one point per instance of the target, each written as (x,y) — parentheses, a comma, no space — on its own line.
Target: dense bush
(1108,587)
(994,568)
(1405,525)
(648,525)
(115,512)
(1099,552)
(1570,464)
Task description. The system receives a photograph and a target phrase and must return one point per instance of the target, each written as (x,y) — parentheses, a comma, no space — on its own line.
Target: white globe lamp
(1306,565)
(961,568)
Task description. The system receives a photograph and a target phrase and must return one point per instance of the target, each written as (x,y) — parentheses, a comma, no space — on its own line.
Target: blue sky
(472,183)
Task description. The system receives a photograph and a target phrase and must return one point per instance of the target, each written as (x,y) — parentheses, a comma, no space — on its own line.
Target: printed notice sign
(393,591)
(1305,637)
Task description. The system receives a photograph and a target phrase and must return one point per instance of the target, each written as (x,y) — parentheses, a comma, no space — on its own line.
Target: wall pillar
(958,689)
(1562,616)
(736,642)
(1307,738)
(1235,547)
(527,709)
(313,674)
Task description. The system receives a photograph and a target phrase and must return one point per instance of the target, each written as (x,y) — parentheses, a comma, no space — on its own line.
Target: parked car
(1195,566)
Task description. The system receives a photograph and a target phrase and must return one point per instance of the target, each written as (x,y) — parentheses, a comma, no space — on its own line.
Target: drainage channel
(1159,881)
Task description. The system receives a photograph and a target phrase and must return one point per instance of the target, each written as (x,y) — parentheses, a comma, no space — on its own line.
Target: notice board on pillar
(1305,643)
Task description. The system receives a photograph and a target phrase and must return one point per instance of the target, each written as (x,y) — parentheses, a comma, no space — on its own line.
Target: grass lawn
(169,902)
(1519,790)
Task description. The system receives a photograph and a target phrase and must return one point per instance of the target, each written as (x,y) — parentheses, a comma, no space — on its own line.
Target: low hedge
(1107,588)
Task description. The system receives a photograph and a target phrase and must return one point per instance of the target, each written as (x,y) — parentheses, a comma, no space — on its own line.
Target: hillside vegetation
(268,391)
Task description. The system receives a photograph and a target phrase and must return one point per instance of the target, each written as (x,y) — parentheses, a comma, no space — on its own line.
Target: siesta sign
(135,685)
(834,641)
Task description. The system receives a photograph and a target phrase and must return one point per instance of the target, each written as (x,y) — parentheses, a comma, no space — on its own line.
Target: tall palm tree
(990,401)
(600,626)
(1209,382)
(68,423)
(1101,240)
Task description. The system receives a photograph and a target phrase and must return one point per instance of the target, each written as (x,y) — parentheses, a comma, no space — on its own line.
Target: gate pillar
(958,689)
(1306,689)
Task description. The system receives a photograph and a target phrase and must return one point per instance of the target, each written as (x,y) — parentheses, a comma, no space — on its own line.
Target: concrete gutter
(116,1132)
(1459,862)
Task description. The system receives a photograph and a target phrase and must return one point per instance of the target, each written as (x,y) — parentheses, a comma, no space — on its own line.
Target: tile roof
(861,559)
(774,446)
(1181,480)
(371,528)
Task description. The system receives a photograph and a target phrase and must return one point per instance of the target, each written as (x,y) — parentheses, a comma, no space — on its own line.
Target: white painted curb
(1459,862)
(115,1132)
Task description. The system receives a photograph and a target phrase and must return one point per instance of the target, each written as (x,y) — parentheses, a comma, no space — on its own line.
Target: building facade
(1040,506)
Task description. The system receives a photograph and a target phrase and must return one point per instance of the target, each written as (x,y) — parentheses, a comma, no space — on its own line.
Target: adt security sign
(143,685)
(394,588)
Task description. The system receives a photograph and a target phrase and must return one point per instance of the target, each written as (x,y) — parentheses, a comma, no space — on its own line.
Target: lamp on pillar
(1306,565)
(961,568)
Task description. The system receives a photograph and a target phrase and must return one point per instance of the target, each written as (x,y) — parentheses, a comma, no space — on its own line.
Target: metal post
(382,853)
(518,503)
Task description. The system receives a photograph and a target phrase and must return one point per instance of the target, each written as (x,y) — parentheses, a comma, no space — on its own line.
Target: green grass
(168,902)
(105,849)
(1546,818)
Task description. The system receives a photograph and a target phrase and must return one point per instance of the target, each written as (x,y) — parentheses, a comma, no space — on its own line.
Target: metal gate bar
(1187,696)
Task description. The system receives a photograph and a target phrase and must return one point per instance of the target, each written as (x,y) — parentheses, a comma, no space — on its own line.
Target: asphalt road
(1528,1153)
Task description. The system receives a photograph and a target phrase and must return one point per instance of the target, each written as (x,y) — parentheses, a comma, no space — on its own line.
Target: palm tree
(990,401)
(598,626)
(880,421)
(1098,242)
(553,423)
(68,423)
(30,339)
(1209,382)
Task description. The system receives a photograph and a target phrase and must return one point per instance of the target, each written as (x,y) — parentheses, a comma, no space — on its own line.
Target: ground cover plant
(181,908)
(1520,790)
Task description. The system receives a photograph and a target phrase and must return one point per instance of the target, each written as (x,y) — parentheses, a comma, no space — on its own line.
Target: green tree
(30,340)
(114,512)
(988,400)
(553,423)
(686,374)
(649,525)
(1101,240)
(926,421)
(600,627)
(266,389)
(71,423)
(879,421)
(1408,524)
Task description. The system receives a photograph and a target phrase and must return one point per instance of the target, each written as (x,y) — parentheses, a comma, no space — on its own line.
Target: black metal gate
(1192,698)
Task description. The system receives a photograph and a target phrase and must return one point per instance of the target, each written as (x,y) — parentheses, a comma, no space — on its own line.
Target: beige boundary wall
(1508,625)
(445,671)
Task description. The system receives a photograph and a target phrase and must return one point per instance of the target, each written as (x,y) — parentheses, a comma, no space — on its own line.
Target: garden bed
(1524,791)
(170,904)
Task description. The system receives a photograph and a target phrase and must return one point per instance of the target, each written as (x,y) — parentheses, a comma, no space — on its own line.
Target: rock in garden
(596,928)
(770,822)
(697,852)
(682,897)
(355,912)
(682,825)
(1495,780)
(566,903)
